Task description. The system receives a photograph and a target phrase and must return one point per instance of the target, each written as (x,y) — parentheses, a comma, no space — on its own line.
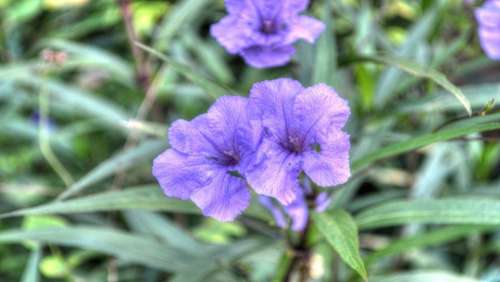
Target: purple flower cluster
(263,31)
(488,18)
(266,142)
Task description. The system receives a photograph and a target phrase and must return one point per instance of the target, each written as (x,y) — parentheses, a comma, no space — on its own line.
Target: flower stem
(301,254)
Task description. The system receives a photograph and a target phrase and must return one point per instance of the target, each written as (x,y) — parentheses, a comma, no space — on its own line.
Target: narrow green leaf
(420,141)
(31,271)
(478,95)
(325,64)
(423,72)
(121,161)
(144,198)
(159,226)
(126,246)
(432,238)
(390,79)
(181,14)
(209,56)
(341,232)
(438,211)
(213,89)
(219,258)
(421,276)
(70,97)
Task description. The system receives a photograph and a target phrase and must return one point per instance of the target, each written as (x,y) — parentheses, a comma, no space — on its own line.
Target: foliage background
(425,194)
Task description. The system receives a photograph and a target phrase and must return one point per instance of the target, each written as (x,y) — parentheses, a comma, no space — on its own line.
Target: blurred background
(84,110)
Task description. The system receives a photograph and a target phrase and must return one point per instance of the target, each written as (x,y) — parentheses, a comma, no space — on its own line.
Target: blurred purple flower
(488,18)
(323,201)
(208,159)
(275,211)
(297,211)
(37,119)
(302,132)
(263,31)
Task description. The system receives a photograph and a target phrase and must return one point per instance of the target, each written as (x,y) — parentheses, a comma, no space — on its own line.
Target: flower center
(269,27)
(294,144)
(231,158)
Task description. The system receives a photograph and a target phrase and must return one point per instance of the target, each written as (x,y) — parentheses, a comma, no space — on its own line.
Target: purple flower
(488,17)
(302,130)
(296,211)
(263,31)
(323,201)
(208,158)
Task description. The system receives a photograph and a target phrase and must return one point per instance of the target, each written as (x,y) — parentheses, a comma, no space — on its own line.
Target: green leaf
(31,271)
(121,161)
(159,226)
(423,72)
(420,141)
(212,88)
(180,15)
(219,258)
(54,267)
(325,64)
(422,276)
(22,11)
(144,198)
(341,232)
(478,96)
(431,238)
(209,56)
(417,34)
(126,246)
(474,210)
(39,222)
(70,97)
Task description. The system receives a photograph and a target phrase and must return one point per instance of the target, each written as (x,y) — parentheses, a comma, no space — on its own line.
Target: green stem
(44,140)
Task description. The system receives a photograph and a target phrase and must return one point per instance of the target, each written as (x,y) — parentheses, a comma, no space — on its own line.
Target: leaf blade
(121,161)
(148,198)
(341,232)
(420,141)
(126,246)
(426,73)
(472,211)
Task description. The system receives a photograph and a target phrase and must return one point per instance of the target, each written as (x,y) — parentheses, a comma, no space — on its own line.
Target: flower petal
(298,213)
(232,33)
(329,166)
(304,27)
(185,137)
(293,7)
(180,175)
(272,102)
(225,117)
(319,108)
(490,41)
(275,172)
(268,56)
(275,211)
(235,6)
(489,14)
(224,198)
(322,202)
